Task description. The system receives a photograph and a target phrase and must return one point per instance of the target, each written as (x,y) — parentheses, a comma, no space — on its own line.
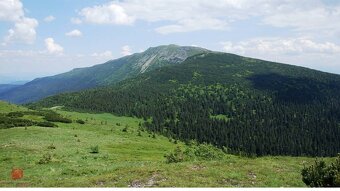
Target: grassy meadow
(63,157)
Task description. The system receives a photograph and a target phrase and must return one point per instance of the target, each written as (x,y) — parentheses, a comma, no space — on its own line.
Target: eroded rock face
(156,57)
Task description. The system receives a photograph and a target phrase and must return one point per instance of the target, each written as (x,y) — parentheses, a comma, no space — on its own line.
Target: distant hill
(10,86)
(21,82)
(7,87)
(110,72)
(248,106)
(13,80)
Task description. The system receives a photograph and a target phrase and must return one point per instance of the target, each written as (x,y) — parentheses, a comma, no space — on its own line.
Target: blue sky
(40,38)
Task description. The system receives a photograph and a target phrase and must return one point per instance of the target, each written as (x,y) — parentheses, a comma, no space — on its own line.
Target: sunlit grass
(126,159)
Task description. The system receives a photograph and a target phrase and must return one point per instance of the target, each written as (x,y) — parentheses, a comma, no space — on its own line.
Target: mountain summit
(103,74)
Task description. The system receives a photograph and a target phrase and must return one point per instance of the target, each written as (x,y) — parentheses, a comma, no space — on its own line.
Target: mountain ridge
(109,72)
(247,105)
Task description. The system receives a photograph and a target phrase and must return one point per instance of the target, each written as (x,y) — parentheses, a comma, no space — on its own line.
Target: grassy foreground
(60,157)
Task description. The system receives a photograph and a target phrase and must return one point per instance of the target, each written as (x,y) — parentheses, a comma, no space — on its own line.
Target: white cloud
(311,19)
(49,18)
(76,21)
(11,10)
(106,14)
(300,51)
(52,47)
(183,18)
(74,33)
(194,15)
(103,55)
(24,29)
(289,46)
(193,25)
(126,50)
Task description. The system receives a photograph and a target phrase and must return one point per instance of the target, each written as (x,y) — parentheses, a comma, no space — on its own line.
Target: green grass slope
(60,157)
(110,72)
(7,107)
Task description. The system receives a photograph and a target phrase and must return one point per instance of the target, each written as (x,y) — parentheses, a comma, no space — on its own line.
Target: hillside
(110,72)
(63,157)
(7,107)
(245,105)
(7,87)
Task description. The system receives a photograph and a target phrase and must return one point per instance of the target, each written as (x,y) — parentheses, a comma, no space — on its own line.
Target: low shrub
(80,121)
(15,114)
(203,152)
(55,117)
(176,156)
(8,122)
(46,158)
(321,175)
(194,151)
(46,124)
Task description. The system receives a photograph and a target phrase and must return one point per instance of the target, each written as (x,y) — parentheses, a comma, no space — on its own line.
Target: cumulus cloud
(11,10)
(49,18)
(24,29)
(315,19)
(74,33)
(288,46)
(300,51)
(106,14)
(204,15)
(126,50)
(52,47)
(306,15)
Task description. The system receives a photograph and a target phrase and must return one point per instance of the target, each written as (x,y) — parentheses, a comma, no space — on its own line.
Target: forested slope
(246,105)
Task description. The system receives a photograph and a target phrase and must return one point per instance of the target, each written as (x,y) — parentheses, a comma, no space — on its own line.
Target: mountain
(13,80)
(110,72)
(10,86)
(7,87)
(246,106)
(21,82)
